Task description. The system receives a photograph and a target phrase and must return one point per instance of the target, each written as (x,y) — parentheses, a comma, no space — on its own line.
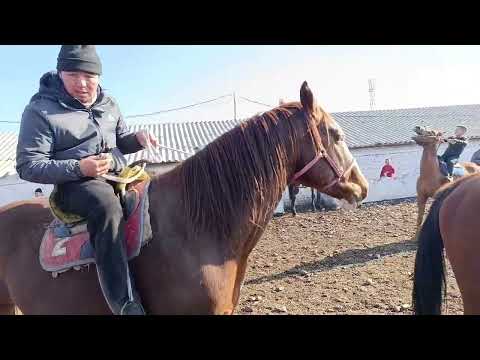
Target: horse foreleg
(314,208)
(421,202)
(242,267)
(8,309)
(6,304)
(18,311)
(294,210)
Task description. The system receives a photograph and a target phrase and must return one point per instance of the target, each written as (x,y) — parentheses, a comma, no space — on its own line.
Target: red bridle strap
(342,175)
(339,174)
(307,167)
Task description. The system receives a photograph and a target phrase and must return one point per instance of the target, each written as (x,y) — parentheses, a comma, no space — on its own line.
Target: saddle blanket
(65,247)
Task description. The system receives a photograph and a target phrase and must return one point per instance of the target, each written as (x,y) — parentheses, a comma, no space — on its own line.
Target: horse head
(324,161)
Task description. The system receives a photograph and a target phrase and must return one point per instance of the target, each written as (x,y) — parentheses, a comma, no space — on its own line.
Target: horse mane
(239,173)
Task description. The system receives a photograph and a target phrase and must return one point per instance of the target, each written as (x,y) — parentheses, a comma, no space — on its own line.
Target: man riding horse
(456,145)
(72,132)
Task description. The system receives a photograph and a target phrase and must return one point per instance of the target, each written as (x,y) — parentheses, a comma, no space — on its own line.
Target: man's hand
(144,137)
(94,166)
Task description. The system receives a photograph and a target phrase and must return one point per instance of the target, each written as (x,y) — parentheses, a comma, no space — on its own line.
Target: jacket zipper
(102,140)
(100,145)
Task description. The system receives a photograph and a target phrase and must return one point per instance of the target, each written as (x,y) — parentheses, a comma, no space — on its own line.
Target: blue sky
(145,79)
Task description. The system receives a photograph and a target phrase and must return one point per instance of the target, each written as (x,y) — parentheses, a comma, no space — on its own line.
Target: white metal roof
(363,129)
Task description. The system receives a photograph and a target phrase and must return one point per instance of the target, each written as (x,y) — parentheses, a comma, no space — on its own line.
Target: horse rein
(339,174)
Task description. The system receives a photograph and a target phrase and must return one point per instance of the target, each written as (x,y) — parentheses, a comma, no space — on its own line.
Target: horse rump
(429,284)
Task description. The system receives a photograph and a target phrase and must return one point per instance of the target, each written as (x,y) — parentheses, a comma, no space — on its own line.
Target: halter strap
(308,166)
(339,174)
(342,175)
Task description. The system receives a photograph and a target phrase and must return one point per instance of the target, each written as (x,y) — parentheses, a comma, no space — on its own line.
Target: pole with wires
(234,107)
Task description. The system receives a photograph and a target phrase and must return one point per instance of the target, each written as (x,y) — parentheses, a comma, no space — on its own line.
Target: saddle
(66,241)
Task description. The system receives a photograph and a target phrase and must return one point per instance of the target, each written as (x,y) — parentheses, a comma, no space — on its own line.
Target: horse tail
(429,284)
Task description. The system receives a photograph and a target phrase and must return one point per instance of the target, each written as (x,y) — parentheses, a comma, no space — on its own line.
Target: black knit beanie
(79,58)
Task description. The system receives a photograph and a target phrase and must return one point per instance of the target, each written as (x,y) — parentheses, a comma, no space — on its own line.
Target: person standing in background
(387,170)
(38,192)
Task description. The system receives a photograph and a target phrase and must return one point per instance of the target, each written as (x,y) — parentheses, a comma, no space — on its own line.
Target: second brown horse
(431,178)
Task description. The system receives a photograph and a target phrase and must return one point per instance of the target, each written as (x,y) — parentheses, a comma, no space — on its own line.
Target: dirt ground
(337,262)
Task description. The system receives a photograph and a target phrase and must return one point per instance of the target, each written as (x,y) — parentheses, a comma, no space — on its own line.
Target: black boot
(119,302)
(132,308)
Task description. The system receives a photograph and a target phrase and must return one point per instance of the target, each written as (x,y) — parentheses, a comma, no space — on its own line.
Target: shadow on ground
(347,258)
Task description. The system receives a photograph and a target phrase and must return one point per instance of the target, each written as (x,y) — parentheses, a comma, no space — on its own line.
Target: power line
(176,109)
(255,102)
(173,109)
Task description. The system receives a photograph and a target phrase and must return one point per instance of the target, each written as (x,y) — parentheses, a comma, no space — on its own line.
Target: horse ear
(306,98)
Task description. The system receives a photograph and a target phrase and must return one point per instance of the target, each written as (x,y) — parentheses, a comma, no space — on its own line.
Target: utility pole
(234,107)
(371,90)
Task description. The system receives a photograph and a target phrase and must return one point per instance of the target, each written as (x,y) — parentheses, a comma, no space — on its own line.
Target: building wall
(12,188)
(405,159)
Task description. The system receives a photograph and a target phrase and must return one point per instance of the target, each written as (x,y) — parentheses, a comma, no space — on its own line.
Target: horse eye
(336,135)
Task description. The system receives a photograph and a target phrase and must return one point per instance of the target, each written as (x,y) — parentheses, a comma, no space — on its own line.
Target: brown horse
(207,214)
(452,223)
(431,178)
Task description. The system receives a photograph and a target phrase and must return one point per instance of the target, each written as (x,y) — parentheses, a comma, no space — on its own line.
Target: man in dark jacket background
(65,133)
(456,145)
(476,157)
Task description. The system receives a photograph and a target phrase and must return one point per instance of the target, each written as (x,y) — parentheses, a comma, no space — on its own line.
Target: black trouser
(450,162)
(96,200)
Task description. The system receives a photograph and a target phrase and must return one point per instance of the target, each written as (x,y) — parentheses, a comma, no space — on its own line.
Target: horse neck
(429,166)
(248,221)
(250,232)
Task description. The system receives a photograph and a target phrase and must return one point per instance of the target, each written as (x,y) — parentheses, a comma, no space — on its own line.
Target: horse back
(20,219)
(470,167)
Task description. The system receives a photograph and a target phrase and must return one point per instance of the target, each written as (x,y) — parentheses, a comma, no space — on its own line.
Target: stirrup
(129,200)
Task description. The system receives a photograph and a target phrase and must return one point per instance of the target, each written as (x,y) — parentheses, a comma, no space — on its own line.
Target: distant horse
(207,214)
(318,200)
(453,224)
(293,190)
(431,178)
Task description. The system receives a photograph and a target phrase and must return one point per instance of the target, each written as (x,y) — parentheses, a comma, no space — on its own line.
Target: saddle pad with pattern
(65,247)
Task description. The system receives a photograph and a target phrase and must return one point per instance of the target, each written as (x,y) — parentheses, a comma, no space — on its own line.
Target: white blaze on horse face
(347,155)
(352,175)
